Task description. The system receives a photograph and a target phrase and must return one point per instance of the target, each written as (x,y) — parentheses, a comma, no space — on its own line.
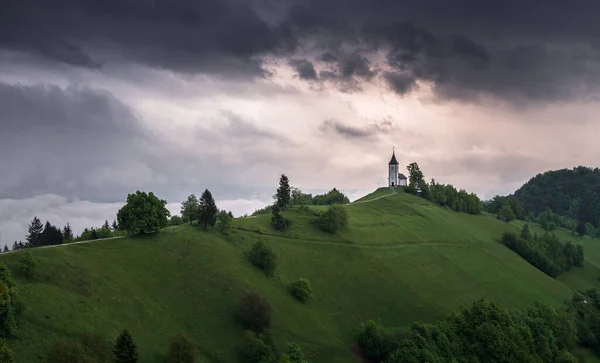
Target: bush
(9,303)
(294,353)
(27,266)
(175,220)
(263,257)
(181,350)
(334,219)
(224,222)
(256,349)
(301,289)
(376,345)
(254,312)
(6,355)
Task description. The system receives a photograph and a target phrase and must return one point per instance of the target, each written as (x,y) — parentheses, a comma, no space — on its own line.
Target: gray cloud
(305,69)
(352,132)
(400,83)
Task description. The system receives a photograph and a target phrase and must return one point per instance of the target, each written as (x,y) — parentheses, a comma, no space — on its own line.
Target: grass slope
(402,259)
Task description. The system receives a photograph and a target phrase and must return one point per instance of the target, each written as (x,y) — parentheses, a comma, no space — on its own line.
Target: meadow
(402,259)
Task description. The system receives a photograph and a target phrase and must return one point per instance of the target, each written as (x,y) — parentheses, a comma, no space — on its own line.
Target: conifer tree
(207,211)
(106,226)
(15,246)
(67,233)
(125,350)
(35,233)
(283,192)
(115,227)
(6,248)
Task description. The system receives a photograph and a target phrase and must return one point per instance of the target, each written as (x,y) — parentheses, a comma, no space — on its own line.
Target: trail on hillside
(376,198)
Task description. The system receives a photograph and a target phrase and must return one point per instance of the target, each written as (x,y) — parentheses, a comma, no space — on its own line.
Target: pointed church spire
(393,161)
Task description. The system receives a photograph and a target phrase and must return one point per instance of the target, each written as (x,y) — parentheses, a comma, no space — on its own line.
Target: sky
(99,99)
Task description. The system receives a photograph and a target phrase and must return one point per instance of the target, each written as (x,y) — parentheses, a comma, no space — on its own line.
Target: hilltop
(402,259)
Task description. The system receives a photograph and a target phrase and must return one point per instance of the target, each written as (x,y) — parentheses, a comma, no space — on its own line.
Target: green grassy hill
(402,259)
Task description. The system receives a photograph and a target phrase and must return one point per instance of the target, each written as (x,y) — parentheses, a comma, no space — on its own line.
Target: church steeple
(393,161)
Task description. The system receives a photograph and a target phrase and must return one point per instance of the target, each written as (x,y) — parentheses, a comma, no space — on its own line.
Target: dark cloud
(183,35)
(352,132)
(328,57)
(305,69)
(400,83)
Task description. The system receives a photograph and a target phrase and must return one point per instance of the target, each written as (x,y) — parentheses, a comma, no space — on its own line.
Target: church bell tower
(393,170)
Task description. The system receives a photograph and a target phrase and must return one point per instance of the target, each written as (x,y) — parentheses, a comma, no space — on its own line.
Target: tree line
(445,195)
(481,332)
(545,252)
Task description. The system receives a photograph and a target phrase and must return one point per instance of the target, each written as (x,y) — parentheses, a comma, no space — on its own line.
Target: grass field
(401,259)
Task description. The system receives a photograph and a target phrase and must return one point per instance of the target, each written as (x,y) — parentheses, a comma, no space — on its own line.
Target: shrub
(125,350)
(224,222)
(181,350)
(254,312)
(294,353)
(263,257)
(375,344)
(6,355)
(27,266)
(255,349)
(9,303)
(334,219)
(301,289)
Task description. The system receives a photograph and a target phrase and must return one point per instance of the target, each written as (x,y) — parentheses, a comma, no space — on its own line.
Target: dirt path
(374,199)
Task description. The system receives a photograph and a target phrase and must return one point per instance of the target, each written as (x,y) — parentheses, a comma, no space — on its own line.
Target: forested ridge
(572,193)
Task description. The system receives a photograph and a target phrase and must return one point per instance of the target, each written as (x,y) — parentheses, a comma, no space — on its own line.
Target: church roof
(401,176)
(393,161)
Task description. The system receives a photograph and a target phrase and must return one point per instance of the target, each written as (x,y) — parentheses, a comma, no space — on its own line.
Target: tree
(189,208)
(15,246)
(9,303)
(27,266)
(278,221)
(506,213)
(143,213)
(181,350)
(334,219)
(5,248)
(224,223)
(176,220)
(283,192)
(525,233)
(255,349)
(35,232)
(125,350)
(581,228)
(6,355)
(301,289)
(67,233)
(254,312)
(106,226)
(263,257)
(207,210)
(230,214)
(51,235)
(295,353)
(416,179)
(115,226)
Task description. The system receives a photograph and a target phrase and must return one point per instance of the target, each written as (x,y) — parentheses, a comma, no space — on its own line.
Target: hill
(573,193)
(401,259)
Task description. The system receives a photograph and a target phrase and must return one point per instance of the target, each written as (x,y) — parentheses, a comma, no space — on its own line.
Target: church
(395,178)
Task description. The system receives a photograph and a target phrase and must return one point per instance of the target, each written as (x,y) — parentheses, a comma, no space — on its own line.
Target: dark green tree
(5,248)
(207,210)
(506,213)
(35,233)
(301,289)
(224,222)
(181,350)
(254,312)
(6,354)
(9,302)
(283,192)
(278,221)
(106,226)
(334,219)
(581,228)
(189,208)
(67,233)
(525,233)
(175,221)
(125,350)
(51,235)
(115,226)
(416,179)
(143,213)
(263,257)
(28,266)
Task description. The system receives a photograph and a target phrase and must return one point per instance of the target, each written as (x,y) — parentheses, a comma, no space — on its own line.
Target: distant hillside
(402,259)
(573,193)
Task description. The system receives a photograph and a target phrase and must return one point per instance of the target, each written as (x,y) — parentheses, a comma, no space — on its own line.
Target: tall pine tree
(106,226)
(207,210)
(35,233)
(114,225)
(283,192)
(125,350)
(67,233)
